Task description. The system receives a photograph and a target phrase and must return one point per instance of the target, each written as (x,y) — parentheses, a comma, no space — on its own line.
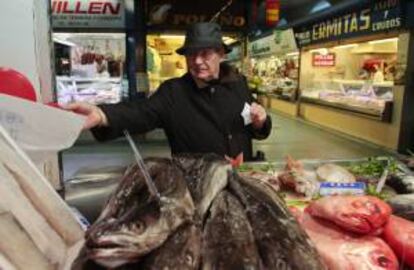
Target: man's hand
(94,115)
(258,115)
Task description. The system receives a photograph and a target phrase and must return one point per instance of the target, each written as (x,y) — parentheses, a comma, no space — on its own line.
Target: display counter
(358,124)
(365,98)
(91,90)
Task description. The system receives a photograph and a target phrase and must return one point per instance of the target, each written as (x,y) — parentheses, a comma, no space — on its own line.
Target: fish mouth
(113,256)
(113,240)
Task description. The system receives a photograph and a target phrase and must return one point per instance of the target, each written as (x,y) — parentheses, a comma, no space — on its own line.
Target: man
(209,109)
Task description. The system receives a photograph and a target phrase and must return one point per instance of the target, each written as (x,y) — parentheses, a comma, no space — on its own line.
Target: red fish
(358,214)
(341,250)
(399,234)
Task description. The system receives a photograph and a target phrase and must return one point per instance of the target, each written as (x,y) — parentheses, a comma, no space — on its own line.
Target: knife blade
(148,180)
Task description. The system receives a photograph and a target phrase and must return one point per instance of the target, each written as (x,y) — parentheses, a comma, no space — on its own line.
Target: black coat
(195,120)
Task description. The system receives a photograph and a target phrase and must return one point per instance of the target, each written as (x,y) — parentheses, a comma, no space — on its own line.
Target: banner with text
(177,14)
(380,16)
(88,14)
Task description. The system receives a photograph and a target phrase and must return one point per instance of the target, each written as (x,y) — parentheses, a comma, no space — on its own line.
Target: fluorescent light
(64,42)
(346,46)
(323,51)
(292,54)
(383,40)
(229,40)
(172,36)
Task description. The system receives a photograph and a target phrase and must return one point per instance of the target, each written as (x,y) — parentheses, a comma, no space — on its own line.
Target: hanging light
(272,12)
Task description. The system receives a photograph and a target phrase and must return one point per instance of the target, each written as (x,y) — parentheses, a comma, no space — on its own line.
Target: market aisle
(289,136)
(302,140)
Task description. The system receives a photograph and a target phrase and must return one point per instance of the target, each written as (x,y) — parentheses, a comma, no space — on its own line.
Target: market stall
(90,49)
(274,70)
(352,69)
(247,216)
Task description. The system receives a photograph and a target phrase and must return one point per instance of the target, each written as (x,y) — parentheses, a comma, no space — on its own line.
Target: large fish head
(370,254)
(131,224)
(364,213)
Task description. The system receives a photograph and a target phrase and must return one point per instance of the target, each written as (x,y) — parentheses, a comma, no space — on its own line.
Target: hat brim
(186,49)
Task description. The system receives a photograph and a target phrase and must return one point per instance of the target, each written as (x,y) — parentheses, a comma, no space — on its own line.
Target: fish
(399,235)
(296,178)
(342,250)
(182,251)
(269,178)
(281,242)
(334,173)
(402,206)
(205,175)
(358,214)
(133,223)
(228,241)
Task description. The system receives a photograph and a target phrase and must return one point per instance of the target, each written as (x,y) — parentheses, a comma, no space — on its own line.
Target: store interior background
(286,81)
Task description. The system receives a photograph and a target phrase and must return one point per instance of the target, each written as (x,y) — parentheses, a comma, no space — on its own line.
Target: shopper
(209,109)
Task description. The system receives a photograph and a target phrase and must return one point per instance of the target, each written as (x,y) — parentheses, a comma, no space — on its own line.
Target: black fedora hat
(203,35)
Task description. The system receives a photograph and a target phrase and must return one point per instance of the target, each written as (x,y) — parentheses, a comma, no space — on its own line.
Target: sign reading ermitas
(323,60)
(88,14)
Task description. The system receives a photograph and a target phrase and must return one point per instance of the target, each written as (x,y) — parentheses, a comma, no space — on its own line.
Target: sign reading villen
(88,14)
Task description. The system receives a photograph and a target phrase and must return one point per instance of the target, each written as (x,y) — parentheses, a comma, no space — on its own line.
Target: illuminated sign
(178,14)
(323,60)
(381,16)
(88,14)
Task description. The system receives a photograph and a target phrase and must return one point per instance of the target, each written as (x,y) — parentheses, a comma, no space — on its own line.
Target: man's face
(204,64)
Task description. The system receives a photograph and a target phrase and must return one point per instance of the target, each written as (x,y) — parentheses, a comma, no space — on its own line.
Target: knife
(148,180)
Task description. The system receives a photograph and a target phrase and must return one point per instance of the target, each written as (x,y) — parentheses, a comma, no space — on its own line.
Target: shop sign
(280,42)
(262,46)
(379,17)
(285,41)
(323,60)
(177,14)
(88,14)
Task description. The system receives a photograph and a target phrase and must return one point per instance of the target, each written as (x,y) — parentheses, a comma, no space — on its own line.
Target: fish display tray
(312,164)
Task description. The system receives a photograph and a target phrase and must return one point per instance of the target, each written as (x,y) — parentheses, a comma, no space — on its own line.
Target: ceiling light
(323,51)
(383,40)
(292,54)
(172,36)
(64,42)
(346,46)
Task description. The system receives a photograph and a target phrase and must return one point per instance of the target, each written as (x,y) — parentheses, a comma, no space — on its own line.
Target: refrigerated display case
(370,99)
(358,77)
(90,67)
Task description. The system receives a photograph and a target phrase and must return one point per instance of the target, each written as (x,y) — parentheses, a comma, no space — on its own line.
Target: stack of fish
(207,217)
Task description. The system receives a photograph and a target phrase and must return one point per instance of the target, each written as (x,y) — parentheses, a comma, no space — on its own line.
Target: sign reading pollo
(88,14)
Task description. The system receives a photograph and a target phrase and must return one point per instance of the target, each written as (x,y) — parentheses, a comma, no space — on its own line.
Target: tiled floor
(289,136)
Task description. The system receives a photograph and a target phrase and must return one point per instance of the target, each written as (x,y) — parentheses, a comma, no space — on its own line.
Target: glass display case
(369,98)
(89,67)
(91,90)
(358,77)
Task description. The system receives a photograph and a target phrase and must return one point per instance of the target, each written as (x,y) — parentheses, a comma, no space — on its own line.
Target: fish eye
(138,226)
(384,261)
